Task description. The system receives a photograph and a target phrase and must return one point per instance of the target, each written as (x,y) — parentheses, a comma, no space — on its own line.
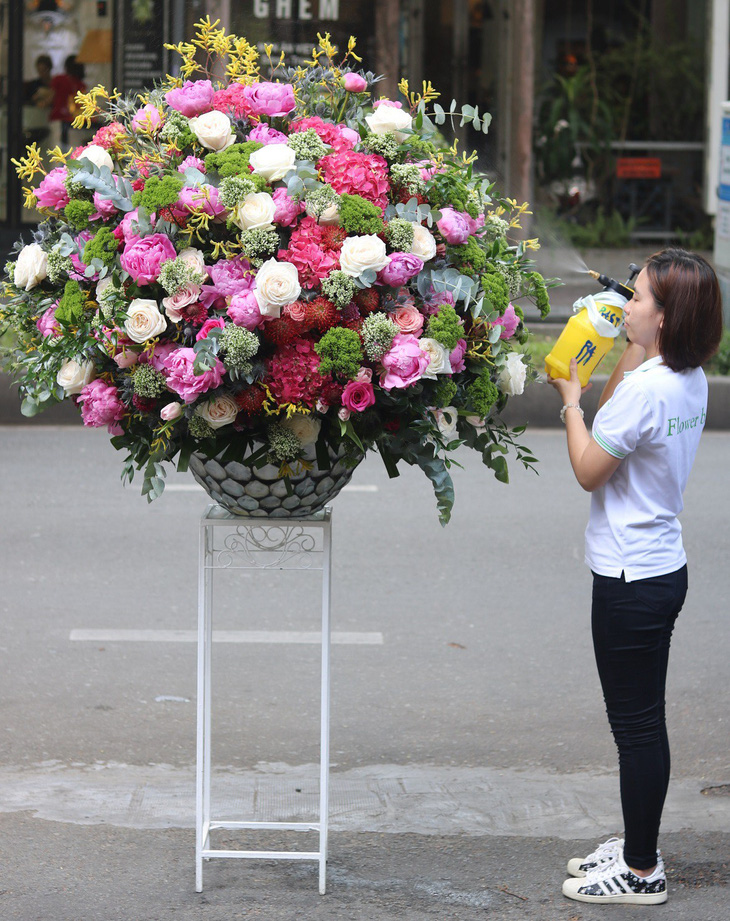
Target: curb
(537,407)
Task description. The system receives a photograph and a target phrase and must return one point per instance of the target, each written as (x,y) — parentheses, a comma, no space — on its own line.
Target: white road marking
(224,636)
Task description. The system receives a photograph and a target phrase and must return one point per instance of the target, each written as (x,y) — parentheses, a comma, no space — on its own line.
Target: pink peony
(400,270)
(205,199)
(404,363)
(354,83)
(51,193)
(229,277)
(193,98)
(182,378)
(360,174)
(147,119)
(104,208)
(272,99)
(266,135)
(388,103)
(408,318)
(456,358)
(212,323)
(126,231)
(46,322)
(509,321)
(174,304)
(357,396)
(159,356)
(453,226)
(100,405)
(287,208)
(143,257)
(244,310)
(195,162)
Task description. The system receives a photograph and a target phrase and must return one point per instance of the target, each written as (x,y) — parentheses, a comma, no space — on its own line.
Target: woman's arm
(592,466)
(632,357)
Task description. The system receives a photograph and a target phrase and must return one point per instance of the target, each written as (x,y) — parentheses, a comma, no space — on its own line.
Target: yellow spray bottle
(589,334)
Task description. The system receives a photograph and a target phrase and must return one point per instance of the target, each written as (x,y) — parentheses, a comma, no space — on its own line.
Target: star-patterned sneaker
(614,882)
(603,854)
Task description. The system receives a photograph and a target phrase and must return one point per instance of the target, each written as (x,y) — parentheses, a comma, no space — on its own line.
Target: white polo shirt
(653,422)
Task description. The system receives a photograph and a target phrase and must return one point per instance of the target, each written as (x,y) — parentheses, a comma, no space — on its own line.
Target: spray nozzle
(625,290)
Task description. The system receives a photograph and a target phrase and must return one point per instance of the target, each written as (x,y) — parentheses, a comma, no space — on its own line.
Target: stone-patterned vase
(260,492)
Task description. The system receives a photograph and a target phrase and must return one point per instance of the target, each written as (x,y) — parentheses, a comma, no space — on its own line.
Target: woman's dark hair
(685,287)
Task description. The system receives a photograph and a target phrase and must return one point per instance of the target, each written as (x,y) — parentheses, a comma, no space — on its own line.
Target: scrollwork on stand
(269,547)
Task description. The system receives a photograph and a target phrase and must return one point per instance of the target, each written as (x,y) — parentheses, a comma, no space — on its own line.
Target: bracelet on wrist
(570,406)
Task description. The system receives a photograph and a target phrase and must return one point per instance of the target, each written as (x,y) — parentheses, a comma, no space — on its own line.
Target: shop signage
(140,35)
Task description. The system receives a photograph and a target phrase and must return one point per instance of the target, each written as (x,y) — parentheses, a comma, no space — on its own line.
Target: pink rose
(388,103)
(456,358)
(193,98)
(296,311)
(408,318)
(46,323)
(263,134)
(357,396)
(126,358)
(175,303)
(364,375)
(343,413)
(509,321)
(100,405)
(244,310)
(272,99)
(400,270)
(147,119)
(404,363)
(144,257)
(287,209)
(453,226)
(51,193)
(181,376)
(354,83)
(212,323)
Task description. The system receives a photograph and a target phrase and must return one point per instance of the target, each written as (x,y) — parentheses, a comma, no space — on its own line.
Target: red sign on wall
(639,168)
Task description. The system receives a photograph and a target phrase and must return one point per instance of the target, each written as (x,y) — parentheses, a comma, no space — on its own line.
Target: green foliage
(483,393)
(340,352)
(158,193)
(469,257)
(378,332)
(233,161)
(148,383)
(339,288)
(495,290)
(359,216)
(448,190)
(102,246)
(399,234)
(71,307)
(608,230)
(445,327)
(77,213)
(720,362)
(444,392)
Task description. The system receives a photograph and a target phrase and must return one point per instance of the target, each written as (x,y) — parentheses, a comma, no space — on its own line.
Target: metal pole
(324,755)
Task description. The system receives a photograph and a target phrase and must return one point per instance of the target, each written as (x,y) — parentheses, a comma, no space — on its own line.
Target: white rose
(359,254)
(74,376)
(330,215)
(97,155)
(220,411)
(477,422)
(424,243)
(174,304)
(439,357)
(213,130)
(277,284)
(306,428)
(387,119)
(193,258)
(144,320)
(272,161)
(511,378)
(31,267)
(256,210)
(446,421)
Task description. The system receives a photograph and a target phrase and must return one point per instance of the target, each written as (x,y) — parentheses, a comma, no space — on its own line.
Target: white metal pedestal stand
(230,542)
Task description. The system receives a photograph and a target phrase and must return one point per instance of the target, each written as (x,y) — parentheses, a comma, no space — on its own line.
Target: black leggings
(632,629)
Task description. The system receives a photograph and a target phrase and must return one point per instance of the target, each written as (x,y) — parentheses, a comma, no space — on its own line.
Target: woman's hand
(570,390)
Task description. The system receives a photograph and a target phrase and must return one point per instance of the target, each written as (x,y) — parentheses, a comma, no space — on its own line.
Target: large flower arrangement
(240,263)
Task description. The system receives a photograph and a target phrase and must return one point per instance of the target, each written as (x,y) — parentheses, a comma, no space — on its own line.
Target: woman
(636,464)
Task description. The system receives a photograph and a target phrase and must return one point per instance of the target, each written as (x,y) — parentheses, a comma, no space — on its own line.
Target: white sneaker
(614,882)
(603,854)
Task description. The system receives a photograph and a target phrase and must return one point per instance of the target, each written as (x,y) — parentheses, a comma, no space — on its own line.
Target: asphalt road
(470,750)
